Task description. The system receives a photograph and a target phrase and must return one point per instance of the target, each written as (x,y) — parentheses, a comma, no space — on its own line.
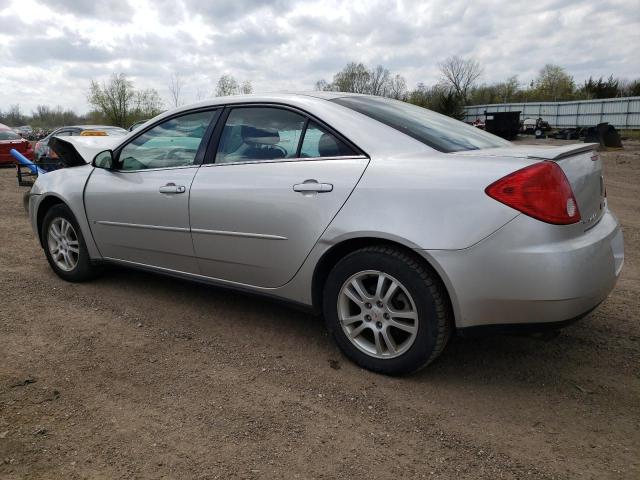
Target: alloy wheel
(377,314)
(63,244)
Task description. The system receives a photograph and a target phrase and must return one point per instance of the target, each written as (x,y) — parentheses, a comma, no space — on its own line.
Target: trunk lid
(20,145)
(584,172)
(582,166)
(580,163)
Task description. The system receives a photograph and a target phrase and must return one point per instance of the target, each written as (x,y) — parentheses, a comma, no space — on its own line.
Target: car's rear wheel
(387,311)
(65,247)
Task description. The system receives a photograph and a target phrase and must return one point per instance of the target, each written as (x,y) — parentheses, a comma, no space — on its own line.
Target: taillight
(541,191)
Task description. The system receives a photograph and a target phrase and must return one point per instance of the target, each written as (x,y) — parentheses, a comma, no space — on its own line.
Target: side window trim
(302,135)
(202,148)
(214,142)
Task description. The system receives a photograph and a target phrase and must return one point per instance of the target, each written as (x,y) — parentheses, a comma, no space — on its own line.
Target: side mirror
(104,160)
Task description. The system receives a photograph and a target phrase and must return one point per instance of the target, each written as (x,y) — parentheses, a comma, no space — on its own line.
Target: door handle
(311,186)
(173,188)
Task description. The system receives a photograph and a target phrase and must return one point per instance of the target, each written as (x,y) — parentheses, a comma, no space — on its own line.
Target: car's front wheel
(65,247)
(387,311)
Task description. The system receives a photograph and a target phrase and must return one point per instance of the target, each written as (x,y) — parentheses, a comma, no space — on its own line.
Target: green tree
(554,83)
(600,88)
(113,99)
(353,78)
(228,85)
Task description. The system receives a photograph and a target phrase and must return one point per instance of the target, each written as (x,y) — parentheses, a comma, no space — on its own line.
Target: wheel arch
(338,251)
(45,205)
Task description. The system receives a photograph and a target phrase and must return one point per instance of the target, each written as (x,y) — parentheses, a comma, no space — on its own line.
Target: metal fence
(622,113)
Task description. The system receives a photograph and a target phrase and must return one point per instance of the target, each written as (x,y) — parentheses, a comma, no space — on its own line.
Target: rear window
(438,131)
(9,135)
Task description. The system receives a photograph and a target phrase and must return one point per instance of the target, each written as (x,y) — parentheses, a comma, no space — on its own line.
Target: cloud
(105,10)
(50,49)
(70,48)
(229,10)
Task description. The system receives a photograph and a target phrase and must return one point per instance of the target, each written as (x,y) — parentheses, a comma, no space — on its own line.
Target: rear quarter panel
(431,201)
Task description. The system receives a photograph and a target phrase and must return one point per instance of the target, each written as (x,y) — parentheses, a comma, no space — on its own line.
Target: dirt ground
(140,376)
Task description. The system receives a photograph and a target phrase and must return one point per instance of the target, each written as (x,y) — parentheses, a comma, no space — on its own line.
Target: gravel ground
(140,376)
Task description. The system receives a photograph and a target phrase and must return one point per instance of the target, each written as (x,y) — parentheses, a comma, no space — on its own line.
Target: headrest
(260,136)
(328,146)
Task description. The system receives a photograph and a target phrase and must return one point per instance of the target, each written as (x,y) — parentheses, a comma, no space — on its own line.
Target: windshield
(438,131)
(9,135)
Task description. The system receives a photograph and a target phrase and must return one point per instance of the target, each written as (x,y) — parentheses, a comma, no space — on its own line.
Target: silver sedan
(400,226)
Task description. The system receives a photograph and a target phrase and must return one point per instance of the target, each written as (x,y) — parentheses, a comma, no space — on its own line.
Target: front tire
(386,311)
(65,247)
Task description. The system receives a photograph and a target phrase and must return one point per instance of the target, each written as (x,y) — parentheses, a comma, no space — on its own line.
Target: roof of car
(270,97)
(90,127)
(278,97)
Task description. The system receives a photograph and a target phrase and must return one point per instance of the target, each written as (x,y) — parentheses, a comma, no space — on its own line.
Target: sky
(51,50)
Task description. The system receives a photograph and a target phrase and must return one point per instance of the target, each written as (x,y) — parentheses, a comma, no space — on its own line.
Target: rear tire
(65,247)
(400,320)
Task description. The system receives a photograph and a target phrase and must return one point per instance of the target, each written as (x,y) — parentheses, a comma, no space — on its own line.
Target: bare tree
(508,88)
(147,104)
(200,94)
(14,116)
(246,87)
(397,88)
(322,85)
(460,74)
(45,116)
(379,81)
(227,85)
(175,89)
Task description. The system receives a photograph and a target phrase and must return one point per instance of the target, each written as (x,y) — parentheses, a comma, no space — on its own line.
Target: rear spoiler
(557,153)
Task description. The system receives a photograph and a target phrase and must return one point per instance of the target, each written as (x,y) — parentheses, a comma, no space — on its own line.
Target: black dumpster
(503,124)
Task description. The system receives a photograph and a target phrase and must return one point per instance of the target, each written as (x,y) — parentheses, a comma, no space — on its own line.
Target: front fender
(63,186)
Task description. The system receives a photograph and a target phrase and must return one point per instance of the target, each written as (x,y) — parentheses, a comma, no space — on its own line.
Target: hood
(81,150)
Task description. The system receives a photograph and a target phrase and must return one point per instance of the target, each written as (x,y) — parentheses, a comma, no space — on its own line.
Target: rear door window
(260,133)
(319,142)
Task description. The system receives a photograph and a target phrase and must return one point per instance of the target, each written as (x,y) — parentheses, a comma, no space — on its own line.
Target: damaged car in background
(10,140)
(399,225)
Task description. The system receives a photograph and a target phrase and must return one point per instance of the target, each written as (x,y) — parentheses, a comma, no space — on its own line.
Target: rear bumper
(524,274)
